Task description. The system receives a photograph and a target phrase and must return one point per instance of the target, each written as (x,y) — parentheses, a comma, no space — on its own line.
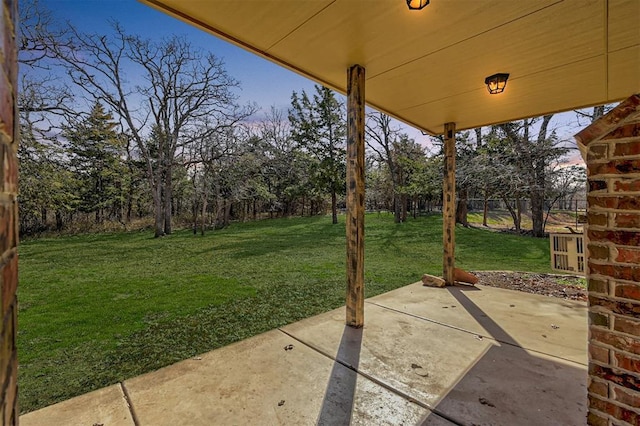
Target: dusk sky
(261,81)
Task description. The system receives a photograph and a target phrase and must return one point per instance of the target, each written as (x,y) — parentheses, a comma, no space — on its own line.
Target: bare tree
(286,173)
(381,138)
(205,158)
(533,157)
(467,154)
(44,99)
(44,104)
(592,114)
(181,93)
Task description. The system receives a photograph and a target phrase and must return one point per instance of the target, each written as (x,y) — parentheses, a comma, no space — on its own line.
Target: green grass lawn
(97,309)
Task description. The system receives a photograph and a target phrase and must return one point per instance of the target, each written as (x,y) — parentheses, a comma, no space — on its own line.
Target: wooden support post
(449,203)
(355,196)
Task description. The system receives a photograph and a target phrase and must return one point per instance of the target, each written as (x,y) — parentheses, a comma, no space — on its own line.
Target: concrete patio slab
(539,323)
(270,379)
(106,406)
(426,356)
(509,386)
(461,376)
(416,357)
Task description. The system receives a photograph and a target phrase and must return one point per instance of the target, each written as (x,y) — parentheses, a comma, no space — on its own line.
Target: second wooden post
(355,196)
(449,203)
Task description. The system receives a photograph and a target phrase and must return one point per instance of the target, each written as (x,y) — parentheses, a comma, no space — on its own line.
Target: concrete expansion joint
(127,400)
(488,336)
(375,380)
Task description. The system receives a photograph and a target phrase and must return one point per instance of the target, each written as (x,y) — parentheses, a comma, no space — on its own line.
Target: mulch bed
(563,286)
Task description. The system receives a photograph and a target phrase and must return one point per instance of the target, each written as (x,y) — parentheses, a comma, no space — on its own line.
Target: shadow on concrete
(339,397)
(508,385)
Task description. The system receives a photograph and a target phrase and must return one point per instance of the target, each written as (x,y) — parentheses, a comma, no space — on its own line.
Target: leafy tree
(96,151)
(286,168)
(318,126)
(46,184)
(378,194)
(180,92)
(418,178)
(44,102)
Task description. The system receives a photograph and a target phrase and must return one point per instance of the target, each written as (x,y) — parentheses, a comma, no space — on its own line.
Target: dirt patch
(563,286)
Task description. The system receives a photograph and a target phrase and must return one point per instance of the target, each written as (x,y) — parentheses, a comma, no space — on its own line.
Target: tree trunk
(194,215)
(204,214)
(518,222)
(548,212)
(168,200)
(538,188)
(334,207)
(537,212)
(178,206)
(158,211)
(59,221)
(403,205)
(461,207)
(227,212)
(129,207)
(397,208)
(43,214)
(537,201)
(485,209)
(514,212)
(195,204)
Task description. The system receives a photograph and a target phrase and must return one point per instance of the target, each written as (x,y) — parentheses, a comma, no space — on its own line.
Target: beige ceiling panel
(256,23)
(428,67)
(381,36)
(624,72)
(469,21)
(530,46)
(541,95)
(624,24)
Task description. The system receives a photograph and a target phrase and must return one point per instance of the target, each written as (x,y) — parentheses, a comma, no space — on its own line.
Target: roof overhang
(428,67)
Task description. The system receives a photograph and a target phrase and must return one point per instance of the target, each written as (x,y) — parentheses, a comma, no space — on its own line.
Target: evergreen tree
(96,151)
(46,185)
(318,126)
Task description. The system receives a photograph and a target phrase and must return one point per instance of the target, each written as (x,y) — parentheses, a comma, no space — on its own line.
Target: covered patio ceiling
(427,67)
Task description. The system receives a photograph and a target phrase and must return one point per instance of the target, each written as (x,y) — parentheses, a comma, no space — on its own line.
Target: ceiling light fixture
(496,83)
(417,4)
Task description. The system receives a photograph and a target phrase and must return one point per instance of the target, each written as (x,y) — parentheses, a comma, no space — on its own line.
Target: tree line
(118,129)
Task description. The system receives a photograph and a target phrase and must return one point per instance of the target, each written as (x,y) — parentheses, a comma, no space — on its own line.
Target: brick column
(612,149)
(8,213)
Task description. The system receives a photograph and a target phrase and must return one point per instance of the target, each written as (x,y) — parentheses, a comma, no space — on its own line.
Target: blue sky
(261,81)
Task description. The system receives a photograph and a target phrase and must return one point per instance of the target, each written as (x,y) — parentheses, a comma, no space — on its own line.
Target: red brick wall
(612,147)
(8,213)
